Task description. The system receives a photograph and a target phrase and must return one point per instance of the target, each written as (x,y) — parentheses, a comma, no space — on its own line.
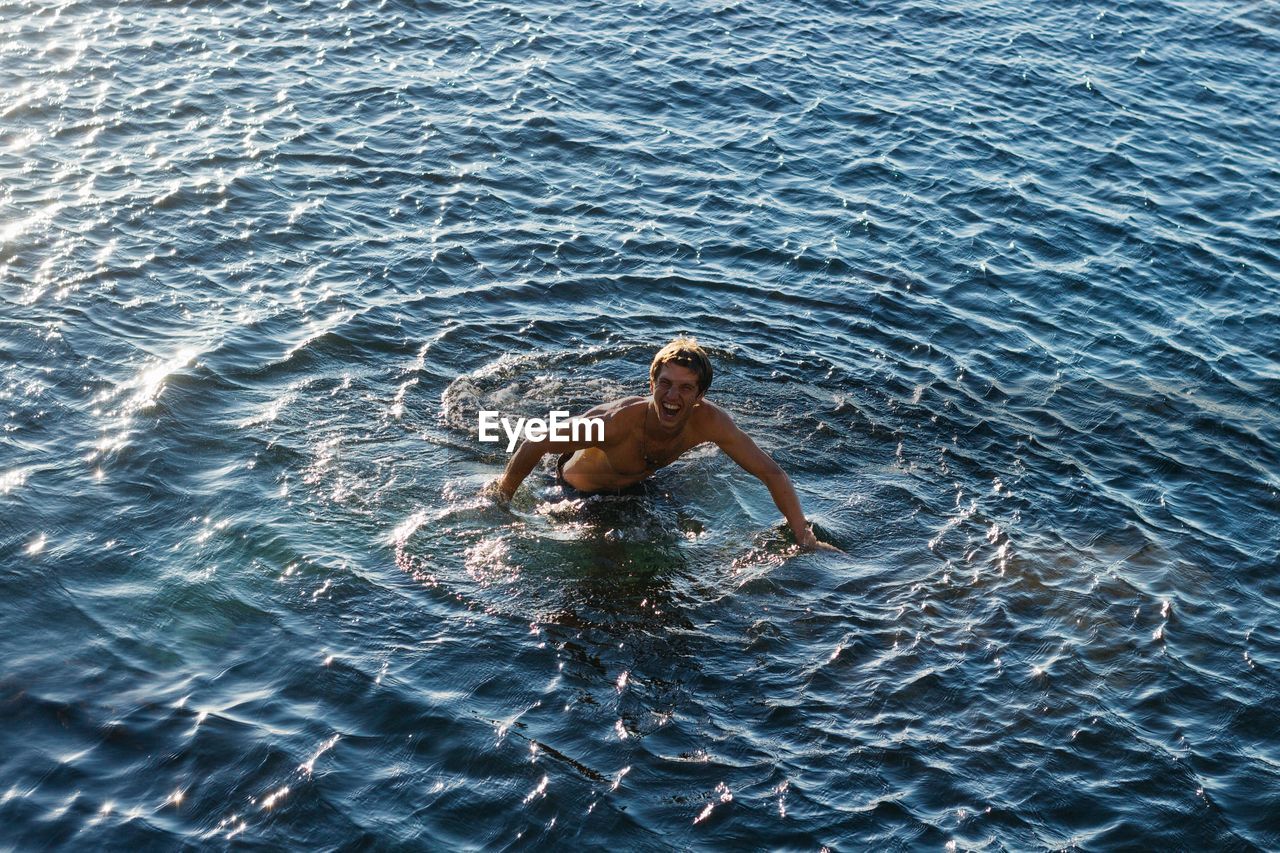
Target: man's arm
(739,447)
(529,453)
(524,460)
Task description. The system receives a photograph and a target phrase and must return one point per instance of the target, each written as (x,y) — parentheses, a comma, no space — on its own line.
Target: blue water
(995,282)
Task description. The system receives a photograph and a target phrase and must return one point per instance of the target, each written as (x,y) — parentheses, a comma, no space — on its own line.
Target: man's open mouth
(669,410)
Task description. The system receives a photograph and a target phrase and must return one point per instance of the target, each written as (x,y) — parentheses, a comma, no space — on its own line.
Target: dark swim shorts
(571,492)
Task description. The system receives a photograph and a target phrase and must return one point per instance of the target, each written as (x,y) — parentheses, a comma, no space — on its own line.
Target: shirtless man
(643,434)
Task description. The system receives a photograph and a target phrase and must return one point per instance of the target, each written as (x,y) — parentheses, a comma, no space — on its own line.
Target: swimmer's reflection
(606,580)
(620,623)
(622,635)
(620,587)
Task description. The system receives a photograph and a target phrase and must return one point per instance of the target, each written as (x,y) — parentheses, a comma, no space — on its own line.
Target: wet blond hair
(686,353)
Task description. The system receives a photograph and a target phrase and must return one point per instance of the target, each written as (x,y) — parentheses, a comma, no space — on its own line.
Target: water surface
(995,283)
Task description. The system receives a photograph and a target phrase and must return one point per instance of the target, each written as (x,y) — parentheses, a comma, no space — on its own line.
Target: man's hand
(809,542)
(493,489)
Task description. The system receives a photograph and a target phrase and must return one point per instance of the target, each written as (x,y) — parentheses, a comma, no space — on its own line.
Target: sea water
(994,282)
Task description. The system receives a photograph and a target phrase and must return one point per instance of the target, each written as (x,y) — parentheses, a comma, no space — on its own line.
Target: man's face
(675,393)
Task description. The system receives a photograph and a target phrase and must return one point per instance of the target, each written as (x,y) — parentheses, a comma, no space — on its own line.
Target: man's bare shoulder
(710,422)
(619,416)
(624,408)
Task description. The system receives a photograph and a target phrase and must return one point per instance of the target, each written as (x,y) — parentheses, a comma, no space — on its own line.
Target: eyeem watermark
(558,426)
